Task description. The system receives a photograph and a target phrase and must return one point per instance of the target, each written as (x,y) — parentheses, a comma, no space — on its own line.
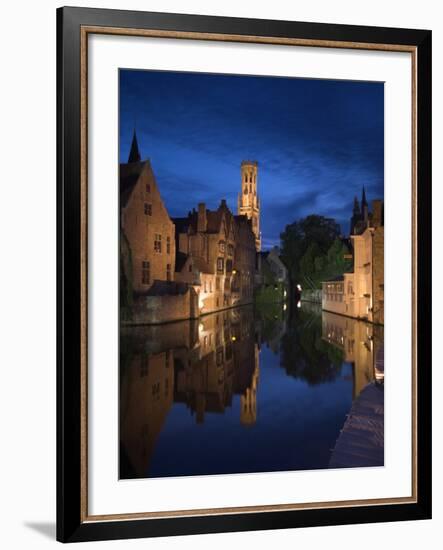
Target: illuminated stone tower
(248,201)
(248,401)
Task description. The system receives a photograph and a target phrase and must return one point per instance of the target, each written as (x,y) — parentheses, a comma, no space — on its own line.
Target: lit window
(157,243)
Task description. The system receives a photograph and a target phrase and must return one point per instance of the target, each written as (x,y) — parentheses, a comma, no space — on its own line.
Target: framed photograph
(244,274)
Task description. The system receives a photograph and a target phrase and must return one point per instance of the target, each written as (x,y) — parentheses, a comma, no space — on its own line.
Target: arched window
(246,189)
(246,177)
(250,177)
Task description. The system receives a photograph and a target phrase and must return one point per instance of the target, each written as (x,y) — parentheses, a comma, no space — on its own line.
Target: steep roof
(134,154)
(180,261)
(213,221)
(129,175)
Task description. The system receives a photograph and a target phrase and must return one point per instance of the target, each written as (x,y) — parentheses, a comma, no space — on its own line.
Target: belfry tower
(248,201)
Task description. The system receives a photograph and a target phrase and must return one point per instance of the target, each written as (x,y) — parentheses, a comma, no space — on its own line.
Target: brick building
(361,294)
(181,268)
(145,223)
(216,255)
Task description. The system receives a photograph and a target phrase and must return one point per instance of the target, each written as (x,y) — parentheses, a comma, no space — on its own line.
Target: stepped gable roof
(213,220)
(129,175)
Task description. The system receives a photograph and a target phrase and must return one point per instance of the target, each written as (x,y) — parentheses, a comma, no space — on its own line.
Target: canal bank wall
(314,296)
(168,308)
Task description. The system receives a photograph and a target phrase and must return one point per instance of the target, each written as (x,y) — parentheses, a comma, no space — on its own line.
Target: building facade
(145,224)
(362,217)
(216,256)
(360,343)
(361,294)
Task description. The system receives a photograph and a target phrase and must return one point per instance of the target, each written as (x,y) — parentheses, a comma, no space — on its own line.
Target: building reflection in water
(361,344)
(205,365)
(201,364)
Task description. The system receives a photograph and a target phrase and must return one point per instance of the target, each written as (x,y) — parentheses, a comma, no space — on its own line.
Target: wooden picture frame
(73,27)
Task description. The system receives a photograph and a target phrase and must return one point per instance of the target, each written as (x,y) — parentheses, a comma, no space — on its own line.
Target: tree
(337,263)
(300,235)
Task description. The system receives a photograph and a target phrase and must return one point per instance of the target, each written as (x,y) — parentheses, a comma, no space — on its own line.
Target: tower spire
(363,199)
(134,154)
(364,206)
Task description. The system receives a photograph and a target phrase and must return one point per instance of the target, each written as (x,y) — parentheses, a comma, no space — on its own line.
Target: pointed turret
(364,202)
(134,154)
(356,209)
(364,206)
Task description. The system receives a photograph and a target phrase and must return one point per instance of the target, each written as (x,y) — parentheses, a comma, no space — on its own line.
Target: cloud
(317,142)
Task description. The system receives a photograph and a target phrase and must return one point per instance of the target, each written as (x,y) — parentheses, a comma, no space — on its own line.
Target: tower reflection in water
(181,378)
(202,364)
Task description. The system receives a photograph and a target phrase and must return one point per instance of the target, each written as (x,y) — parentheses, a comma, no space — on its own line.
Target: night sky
(317,142)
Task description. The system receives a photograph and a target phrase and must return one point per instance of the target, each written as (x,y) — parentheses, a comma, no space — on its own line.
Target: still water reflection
(241,392)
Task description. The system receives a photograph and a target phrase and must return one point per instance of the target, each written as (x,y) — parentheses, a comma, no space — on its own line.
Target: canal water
(246,391)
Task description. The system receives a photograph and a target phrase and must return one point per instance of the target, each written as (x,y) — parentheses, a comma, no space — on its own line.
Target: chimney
(377,216)
(202,219)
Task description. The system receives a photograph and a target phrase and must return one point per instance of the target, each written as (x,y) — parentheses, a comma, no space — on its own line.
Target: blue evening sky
(317,142)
